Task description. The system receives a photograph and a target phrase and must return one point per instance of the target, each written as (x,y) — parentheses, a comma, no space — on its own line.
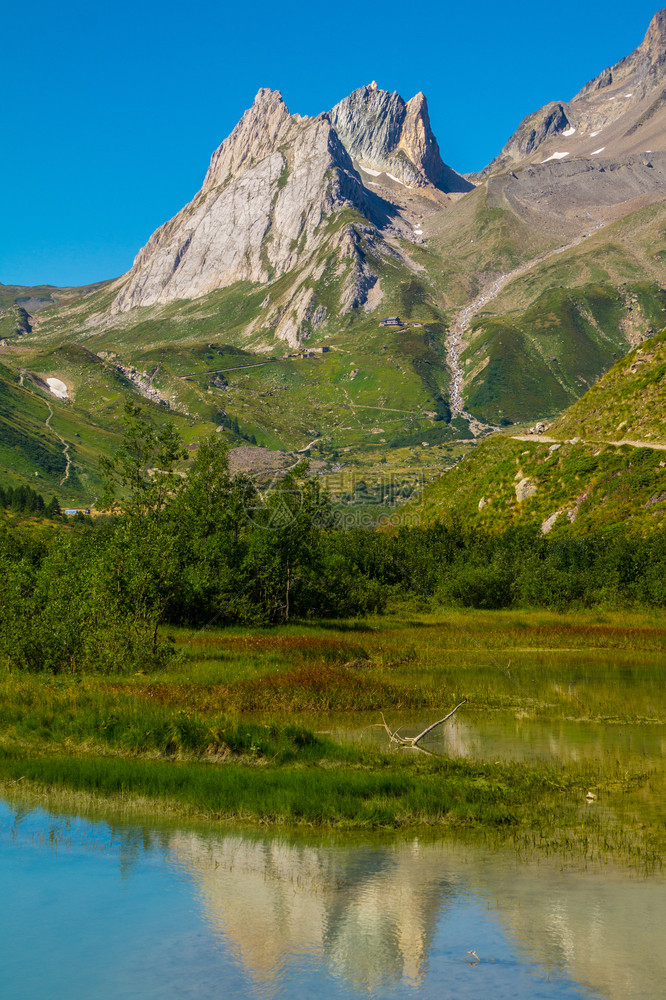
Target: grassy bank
(528,805)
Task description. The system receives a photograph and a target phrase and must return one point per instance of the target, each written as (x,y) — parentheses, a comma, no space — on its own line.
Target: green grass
(543,359)
(549,335)
(629,402)
(371,791)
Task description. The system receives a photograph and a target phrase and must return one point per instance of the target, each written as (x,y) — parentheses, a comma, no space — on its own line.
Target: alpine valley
(336,288)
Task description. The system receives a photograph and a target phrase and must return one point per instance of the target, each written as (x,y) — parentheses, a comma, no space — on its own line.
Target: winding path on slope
(546,439)
(461,322)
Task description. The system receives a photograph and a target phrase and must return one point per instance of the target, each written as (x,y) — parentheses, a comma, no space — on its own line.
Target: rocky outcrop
(525,489)
(643,69)
(15,321)
(549,121)
(382,132)
(257,135)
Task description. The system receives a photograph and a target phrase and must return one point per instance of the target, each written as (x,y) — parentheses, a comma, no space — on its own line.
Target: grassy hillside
(548,335)
(540,361)
(39,433)
(627,403)
(570,488)
(554,329)
(215,362)
(479,237)
(28,450)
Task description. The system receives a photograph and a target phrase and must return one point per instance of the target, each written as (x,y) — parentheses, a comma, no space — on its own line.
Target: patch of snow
(628,95)
(396,179)
(556,156)
(57,388)
(377,173)
(647,151)
(595,133)
(597,151)
(419,232)
(569,131)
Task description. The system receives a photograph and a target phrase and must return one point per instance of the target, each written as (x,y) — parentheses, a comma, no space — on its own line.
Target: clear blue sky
(110,111)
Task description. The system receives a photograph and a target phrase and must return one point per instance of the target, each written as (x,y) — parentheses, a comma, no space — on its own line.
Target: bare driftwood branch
(412,741)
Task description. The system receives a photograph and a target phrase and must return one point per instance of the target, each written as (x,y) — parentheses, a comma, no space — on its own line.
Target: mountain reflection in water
(123,912)
(370,913)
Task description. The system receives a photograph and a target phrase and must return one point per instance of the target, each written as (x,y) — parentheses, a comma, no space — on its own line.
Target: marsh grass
(586,666)
(227,730)
(332,787)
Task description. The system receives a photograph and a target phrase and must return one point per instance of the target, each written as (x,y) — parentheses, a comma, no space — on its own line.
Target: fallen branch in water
(412,741)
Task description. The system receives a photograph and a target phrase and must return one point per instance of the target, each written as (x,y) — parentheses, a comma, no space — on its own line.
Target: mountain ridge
(270,193)
(383,132)
(600,105)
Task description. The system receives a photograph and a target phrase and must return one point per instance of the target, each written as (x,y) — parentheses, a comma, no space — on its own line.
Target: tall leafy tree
(285,543)
(141,483)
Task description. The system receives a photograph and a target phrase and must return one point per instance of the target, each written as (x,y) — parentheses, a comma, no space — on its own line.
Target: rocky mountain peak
(642,69)
(382,132)
(262,212)
(255,135)
(655,38)
(417,139)
(614,105)
(653,47)
(268,202)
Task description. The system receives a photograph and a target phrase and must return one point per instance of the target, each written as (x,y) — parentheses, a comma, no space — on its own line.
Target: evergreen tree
(53,508)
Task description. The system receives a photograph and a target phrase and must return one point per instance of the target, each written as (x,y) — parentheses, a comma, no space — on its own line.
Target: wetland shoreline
(227,732)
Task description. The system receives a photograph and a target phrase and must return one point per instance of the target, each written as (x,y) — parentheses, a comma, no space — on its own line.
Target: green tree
(211,527)
(285,543)
(53,508)
(141,482)
(142,475)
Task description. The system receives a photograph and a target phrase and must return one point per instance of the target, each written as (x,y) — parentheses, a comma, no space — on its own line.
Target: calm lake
(98,909)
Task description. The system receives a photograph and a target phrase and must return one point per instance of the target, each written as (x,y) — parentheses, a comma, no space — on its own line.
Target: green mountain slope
(546,337)
(557,324)
(256,310)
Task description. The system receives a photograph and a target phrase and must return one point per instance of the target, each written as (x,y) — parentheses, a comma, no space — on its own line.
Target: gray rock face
(582,185)
(535,129)
(643,69)
(382,132)
(268,202)
(268,188)
(525,489)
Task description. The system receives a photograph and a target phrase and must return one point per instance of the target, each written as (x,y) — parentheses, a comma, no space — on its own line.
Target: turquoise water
(96,910)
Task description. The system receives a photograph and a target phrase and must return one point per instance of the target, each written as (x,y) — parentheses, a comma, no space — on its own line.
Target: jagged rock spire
(382,132)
